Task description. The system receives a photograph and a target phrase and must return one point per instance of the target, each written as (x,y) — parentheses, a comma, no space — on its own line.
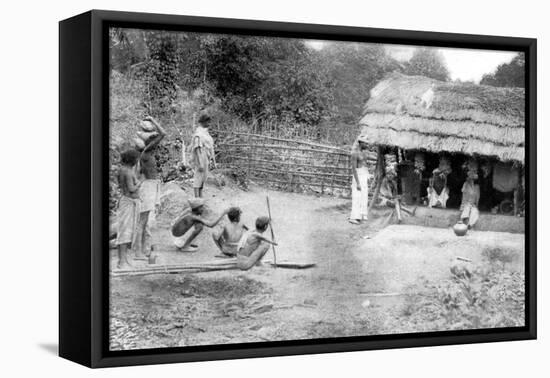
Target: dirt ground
(362,275)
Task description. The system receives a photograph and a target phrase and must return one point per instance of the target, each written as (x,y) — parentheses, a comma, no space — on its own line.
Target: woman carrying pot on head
(149,193)
(360,182)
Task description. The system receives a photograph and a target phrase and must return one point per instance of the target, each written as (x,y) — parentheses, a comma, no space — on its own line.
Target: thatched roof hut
(418,113)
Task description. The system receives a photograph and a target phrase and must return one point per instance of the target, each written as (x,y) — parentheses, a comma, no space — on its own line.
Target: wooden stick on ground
(398,210)
(272,233)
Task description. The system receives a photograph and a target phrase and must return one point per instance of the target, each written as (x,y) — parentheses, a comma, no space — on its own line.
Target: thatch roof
(415,112)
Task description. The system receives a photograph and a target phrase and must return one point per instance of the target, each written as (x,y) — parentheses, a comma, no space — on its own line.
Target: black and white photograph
(273,189)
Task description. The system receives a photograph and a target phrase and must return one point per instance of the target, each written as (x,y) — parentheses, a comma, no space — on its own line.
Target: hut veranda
(418,121)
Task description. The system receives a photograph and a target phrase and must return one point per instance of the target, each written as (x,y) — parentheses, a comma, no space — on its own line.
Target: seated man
(438,192)
(232,236)
(255,246)
(192,217)
(388,192)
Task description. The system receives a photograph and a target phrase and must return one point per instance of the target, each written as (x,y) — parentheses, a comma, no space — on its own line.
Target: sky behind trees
(463,64)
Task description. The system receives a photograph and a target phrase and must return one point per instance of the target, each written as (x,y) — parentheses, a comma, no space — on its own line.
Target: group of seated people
(438,191)
(234,240)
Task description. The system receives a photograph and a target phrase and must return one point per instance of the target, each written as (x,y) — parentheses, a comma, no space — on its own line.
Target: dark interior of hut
(415,192)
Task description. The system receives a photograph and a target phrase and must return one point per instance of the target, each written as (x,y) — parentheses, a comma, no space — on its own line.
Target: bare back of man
(230,239)
(192,217)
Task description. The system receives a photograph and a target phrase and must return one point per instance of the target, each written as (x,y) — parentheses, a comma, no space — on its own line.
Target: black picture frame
(83,196)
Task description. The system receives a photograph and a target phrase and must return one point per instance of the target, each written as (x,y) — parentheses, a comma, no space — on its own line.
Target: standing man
(359,183)
(149,192)
(202,152)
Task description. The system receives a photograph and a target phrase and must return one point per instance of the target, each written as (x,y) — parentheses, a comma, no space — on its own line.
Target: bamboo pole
(275,146)
(272,232)
(516,195)
(398,210)
(179,268)
(380,169)
(297,173)
(236,157)
(284,182)
(305,143)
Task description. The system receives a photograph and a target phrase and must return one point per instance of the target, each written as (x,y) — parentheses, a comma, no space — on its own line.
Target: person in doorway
(149,192)
(192,217)
(128,206)
(360,183)
(470,200)
(202,153)
(388,191)
(438,191)
(232,236)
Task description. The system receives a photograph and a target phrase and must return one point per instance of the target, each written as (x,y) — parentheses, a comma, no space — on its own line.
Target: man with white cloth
(360,183)
(202,152)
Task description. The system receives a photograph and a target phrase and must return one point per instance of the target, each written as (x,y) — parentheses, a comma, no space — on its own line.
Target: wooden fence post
(379,175)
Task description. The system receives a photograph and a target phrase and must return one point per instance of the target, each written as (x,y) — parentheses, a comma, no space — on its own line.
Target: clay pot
(147,126)
(460,229)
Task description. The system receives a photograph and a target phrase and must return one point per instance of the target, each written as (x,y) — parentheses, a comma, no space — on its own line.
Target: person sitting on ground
(255,247)
(128,206)
(388,191)
(438,191)
(470,200)
(231,237)
(192,216)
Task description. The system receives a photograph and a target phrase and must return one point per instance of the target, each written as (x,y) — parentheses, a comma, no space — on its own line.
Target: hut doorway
(455,180)
(490,198)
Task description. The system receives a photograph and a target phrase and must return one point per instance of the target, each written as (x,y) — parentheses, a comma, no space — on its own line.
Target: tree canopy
(427,62)
(507,74)
(262,79)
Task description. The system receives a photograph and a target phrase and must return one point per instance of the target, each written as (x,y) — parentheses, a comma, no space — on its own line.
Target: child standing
(128,206)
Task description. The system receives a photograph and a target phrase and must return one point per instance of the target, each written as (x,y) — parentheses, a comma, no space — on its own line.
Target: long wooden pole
(272,233)
(379,176)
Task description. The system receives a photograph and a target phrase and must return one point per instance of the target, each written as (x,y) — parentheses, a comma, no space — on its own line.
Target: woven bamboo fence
(287,164)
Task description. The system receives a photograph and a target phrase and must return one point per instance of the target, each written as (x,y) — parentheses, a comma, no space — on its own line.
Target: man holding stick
(255,247)
(388,193)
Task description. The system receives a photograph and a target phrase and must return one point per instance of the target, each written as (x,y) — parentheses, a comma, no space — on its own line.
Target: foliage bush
(482,298)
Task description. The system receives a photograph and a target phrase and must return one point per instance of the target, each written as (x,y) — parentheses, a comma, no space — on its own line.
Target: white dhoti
(149,194)
(360,198)
(127,220)
(471,212)
(440,199)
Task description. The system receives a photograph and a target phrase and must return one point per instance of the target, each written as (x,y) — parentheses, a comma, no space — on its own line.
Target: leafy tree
(354,69)
(427,62)
(507,74)
(127,48)
(267,78)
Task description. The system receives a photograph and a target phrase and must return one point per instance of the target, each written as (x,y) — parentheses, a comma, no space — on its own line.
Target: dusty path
(267,304)
(282,303)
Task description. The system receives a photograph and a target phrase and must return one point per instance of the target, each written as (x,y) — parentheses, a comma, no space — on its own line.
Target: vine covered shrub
(481,298)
